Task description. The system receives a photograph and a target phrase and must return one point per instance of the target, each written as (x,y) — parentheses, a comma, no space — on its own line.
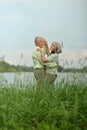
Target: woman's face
(53,47)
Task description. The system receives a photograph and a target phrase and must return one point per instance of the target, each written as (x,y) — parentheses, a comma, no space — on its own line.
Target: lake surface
(28,77)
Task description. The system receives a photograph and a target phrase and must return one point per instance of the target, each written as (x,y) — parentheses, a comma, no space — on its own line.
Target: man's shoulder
(36,53)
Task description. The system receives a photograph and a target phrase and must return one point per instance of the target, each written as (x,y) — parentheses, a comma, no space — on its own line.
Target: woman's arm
(43,58)
(47,48)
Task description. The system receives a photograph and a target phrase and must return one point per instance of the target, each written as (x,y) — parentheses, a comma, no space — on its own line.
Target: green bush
(61,108)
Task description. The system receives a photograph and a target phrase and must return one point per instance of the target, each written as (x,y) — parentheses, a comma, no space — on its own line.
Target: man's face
(42,42)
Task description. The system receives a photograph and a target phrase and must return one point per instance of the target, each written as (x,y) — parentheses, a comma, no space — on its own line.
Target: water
(28,77)
(17,78)
(72,77)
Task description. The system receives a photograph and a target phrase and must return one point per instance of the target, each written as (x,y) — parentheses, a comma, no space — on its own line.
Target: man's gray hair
(37,39)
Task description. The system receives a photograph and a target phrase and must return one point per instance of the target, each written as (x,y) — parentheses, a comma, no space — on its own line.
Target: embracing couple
(45,60)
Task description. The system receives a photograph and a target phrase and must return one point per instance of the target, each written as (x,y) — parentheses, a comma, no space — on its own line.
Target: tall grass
(61,108)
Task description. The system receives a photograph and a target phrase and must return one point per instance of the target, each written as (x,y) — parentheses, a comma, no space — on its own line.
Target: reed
(59,107)
(63,107)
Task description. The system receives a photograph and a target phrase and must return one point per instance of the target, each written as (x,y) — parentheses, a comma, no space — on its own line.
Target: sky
(56,20)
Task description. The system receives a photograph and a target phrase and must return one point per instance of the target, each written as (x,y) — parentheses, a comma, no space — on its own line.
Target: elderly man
(39,71)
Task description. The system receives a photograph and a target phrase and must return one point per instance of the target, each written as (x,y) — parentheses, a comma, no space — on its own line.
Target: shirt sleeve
(53,58)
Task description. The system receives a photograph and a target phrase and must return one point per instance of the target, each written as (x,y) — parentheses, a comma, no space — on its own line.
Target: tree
(60,69)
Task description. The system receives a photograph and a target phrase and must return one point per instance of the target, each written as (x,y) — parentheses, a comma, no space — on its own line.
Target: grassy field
(61,108)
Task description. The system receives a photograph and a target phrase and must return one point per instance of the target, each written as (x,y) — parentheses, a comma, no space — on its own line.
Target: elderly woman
(51,62)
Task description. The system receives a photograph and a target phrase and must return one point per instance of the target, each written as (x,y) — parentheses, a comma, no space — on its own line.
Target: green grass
(61,108)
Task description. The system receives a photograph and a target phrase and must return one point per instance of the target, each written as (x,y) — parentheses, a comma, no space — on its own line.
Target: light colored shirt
(52,64)
(36,56)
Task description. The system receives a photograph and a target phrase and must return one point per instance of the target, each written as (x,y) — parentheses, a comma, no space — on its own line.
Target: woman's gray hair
(58,47)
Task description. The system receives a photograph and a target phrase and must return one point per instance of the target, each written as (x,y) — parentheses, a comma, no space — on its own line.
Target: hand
(45,42)
(39,49)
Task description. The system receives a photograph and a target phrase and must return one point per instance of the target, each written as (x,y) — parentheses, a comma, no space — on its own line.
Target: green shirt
(52,64)
(36,56)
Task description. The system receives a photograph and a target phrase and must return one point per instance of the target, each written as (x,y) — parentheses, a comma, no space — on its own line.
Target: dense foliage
(84,69)
(6,67)
(61,108)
